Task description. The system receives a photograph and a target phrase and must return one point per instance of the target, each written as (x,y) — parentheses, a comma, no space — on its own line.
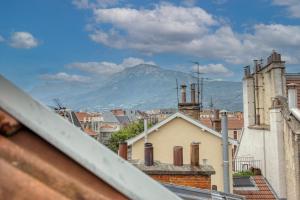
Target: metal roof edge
(89,153)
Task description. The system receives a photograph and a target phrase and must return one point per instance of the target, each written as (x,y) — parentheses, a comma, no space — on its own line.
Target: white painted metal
(89,153)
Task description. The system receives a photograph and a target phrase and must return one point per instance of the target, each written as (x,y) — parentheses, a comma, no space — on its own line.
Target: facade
(181,130)
(235,125)
(265,138)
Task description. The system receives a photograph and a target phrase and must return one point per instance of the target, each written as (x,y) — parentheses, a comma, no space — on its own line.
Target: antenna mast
(177,91)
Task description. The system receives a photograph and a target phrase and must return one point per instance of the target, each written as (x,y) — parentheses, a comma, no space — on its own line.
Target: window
(235,135)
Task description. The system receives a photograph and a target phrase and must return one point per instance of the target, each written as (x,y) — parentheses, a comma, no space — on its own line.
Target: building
(182,130)
(43,156)
(90,122)
(271,125)
(109,125)
(235,125)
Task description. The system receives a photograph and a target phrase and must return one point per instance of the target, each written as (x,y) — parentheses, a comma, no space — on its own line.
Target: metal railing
(245,164)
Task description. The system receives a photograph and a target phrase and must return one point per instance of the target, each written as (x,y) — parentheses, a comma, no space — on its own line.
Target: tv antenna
(58,104)
(199,85)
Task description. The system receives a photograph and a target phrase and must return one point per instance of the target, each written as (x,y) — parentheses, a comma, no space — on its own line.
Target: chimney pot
(123,150)
(178,156)
(183,93)
(193,93)
(217,121)
(148,154)
(195,154)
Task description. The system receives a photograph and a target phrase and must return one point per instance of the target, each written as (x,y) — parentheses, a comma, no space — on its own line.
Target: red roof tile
(233,123)
(263,192)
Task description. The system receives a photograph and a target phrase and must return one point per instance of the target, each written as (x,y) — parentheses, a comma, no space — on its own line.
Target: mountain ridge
(143,86)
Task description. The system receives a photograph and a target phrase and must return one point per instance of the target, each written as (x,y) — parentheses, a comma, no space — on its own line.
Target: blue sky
(76,40)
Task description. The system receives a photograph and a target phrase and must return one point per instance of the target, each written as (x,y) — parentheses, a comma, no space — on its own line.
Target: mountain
(140,87)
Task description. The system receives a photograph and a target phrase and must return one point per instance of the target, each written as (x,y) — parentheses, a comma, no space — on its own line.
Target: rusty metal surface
(8,125)
(30,168)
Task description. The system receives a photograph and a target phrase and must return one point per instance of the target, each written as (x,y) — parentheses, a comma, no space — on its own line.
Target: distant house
(90,123)
(182,130)
(42,156)
(109,125)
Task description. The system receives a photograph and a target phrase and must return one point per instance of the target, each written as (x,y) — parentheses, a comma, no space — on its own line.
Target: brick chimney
(195,154)
(183,93)
(216,121)
(178,156)
(123,150)
(193,93)
(148,154)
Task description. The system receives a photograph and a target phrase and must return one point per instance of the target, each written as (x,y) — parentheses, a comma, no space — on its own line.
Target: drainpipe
(224,123)
(146,130)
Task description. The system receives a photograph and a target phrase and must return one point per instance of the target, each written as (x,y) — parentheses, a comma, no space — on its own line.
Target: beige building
(181,130)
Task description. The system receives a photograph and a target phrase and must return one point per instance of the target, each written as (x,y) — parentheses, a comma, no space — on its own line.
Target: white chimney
(292,95)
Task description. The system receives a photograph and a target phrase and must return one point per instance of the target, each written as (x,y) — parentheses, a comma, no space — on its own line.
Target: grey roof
(109,117)
(124,120)
(189,193)
(163,168)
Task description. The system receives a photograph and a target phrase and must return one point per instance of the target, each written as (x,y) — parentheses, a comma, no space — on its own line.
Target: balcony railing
(245,164)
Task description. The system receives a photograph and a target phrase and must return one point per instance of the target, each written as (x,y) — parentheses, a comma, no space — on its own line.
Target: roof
(234,123)
(109,117)
(70,116)
(159,168)
(124,120)
(189,193)
(78,148)
(90,132)
(174,116)
(262,190)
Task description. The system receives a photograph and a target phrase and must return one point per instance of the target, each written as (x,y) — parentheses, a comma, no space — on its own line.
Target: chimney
(193,93)
(123,150)
(195,154)
(292,95)
(247,71)
(225,151)
(148,154)
(178,156)
(216,121)
(183,93)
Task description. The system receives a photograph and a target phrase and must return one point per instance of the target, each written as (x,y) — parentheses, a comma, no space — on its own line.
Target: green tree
(125,133)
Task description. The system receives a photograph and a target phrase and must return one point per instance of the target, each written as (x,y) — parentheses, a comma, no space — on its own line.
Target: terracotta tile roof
(263,191)
(81,115)
(90,132)
(233,123)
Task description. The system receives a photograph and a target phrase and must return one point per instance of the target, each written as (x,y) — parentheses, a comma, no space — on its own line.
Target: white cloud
(85,4)
(213,69)
(293,6)
(23,40)
(62,76)
(1,38)
(191,31)
(108,67)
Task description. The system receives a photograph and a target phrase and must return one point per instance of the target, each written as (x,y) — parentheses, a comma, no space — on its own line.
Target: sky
(76,40)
